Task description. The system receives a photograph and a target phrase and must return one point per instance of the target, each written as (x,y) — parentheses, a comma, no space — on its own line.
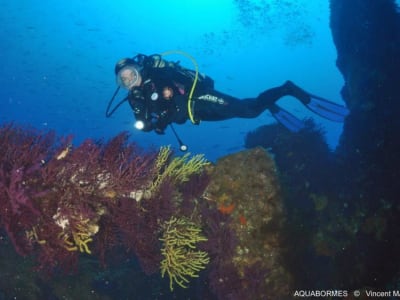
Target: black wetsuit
(162,99)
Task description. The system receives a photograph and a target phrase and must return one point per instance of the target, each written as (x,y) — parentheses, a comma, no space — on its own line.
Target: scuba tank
(156,61)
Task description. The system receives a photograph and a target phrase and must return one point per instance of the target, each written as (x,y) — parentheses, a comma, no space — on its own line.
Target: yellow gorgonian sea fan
(182,260)
(179,169)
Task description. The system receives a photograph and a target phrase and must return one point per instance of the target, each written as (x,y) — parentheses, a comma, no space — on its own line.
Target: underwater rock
(245,188)
(367,38)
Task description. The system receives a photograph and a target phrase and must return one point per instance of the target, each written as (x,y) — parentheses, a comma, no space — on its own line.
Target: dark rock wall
(367,38)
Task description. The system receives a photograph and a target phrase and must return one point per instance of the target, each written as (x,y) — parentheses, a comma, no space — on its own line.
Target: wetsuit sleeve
(146,120)
(142,116)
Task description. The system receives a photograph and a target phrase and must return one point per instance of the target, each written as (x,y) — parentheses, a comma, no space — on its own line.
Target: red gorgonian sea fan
(52,196)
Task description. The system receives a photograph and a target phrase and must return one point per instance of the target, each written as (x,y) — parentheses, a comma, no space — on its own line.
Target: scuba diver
(162,92)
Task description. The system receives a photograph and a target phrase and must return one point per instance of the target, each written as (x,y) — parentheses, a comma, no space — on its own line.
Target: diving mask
(128,77)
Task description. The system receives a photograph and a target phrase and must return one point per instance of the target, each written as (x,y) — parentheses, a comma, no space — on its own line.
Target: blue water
(58,59)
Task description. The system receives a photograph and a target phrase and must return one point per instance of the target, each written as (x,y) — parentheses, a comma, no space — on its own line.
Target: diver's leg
(218,106)
(253,107)
(297,92)
(267,100)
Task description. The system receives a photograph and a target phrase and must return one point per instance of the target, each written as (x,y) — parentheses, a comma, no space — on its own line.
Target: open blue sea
(58,62)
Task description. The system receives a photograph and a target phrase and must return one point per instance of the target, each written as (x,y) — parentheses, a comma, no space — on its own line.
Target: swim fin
(327,109)
(323,107)
(286,118)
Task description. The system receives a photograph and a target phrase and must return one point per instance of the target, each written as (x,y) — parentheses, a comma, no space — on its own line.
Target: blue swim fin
(286,118)
(327,109)
(323,107)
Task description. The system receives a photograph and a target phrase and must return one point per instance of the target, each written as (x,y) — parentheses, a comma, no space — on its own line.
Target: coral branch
(182,260)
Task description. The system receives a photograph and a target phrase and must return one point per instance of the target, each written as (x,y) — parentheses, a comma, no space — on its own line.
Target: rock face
(245,187)
(367,38)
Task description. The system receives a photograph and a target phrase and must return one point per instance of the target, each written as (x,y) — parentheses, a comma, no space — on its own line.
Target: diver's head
(128,73)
